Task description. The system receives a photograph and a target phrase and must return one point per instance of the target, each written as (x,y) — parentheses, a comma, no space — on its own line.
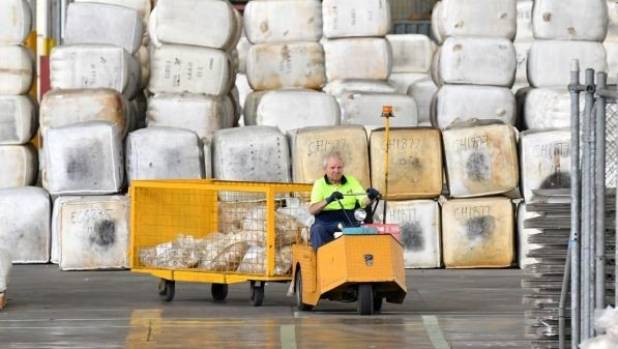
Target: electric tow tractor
(363,264)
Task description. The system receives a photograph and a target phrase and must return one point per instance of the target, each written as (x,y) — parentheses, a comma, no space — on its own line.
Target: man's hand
(372,193)
(333,197)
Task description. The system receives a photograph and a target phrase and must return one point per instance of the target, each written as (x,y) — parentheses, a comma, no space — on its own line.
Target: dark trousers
(326,224)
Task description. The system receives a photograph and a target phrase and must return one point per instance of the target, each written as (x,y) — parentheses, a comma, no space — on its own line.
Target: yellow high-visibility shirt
(322,189)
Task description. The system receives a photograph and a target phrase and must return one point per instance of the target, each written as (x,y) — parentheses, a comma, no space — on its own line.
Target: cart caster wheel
(298,287)
(219,292)
(257,293)
(377,304)
(365,299)
(167,290)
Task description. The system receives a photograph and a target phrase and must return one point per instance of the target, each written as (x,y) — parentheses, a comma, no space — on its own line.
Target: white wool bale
(481,160)
(164,153)
(16,70)
(252,153)
(91,232)
(357,18)
(68,107)
(459,103)
(547,108)
(366,109)
(478,233)
(338,87)
(283,21)
(177,69)
(403,81)
(19,166)
(436,21)
(612,30)
(549,62)
(143,7)
(412,53)
(243,52)
(423,91)
(419,221)
(294,65)
(291,109)
(5,268)
(15,22)
(524,20)
(90,23)
(358,58)
(545,160)
(491,18)
(201,114)
(477,61)
(94,66)
(570,20)
(611,47)
(193,22)
(18,121)
(82,159)
(522,48)
(523,234)
(252,103)
(25,215)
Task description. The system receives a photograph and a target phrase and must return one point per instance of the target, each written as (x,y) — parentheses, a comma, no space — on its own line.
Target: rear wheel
(257,293)
(298,287)
(167,289)
(219,292)
(365,299)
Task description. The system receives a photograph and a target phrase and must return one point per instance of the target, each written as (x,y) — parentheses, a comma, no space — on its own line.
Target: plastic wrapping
(356,18)
(358,58)
(495,18)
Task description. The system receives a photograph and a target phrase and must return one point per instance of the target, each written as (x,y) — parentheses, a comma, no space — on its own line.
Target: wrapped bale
(16,19)
(18,121)
(423,91)
(459,103)
(311,144)
(88,22)
(292,109)
(91,232)
(358,58)
(343,19)
(490,18)
(481,160)
(545,161)
(286,65)
(84,159)
(412,53)
(338,87)
(24,225)
(19,166)
(478,233)
(67,107)
(164,153)
(16,70)
(415,163)
(142,7)
(283,21)
(366,109)
(584,20)
(547,108)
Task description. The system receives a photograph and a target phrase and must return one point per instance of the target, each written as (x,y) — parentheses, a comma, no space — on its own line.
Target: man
(327,196)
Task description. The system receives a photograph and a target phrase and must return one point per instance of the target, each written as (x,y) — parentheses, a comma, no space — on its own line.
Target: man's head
(333,167)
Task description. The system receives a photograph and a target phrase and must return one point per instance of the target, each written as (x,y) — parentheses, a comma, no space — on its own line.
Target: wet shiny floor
(444,309)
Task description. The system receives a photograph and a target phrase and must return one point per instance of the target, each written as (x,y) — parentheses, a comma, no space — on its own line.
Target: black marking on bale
(480,227)
(412,236)
(478,167)
(104,234)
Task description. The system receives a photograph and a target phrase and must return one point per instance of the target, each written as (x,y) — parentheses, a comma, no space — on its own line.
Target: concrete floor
(444,309)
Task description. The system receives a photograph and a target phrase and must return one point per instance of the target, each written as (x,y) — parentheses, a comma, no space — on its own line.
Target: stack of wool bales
(193,69)
(84,120)
(359,62)
(25,211)
(475,69)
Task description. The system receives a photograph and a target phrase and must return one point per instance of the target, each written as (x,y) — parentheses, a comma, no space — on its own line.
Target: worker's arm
(317,207)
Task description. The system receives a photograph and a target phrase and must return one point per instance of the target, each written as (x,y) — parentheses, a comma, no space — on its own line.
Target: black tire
(365,299)
(167,290)
(257,293)
(377,304)
(219,292)
(298,287)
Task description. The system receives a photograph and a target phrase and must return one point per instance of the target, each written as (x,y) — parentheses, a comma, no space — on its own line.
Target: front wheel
(167,289)
(219,292)
(365,299)
(257,293)
(298,287)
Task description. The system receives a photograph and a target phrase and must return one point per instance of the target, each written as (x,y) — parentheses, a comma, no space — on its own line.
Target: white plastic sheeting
(291,109)
(570,20)
(338,87)
(94,66)
(164,153)
(67,107)
(549,62)
(90,23)
(177,69)
(490,18)
(366,109)
(16,70)
(25,215)
(547,108)
(90,232)
(293,65)
(201,114)
(283,21)
(344,19)
(84,159)
(18,120)
(358,58)
(18,166)
(458,103)
(253,153)
(412,53)
(16,20)
(477,61)
(422,91)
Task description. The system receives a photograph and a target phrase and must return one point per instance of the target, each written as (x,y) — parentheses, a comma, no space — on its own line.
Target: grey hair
(332,155)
